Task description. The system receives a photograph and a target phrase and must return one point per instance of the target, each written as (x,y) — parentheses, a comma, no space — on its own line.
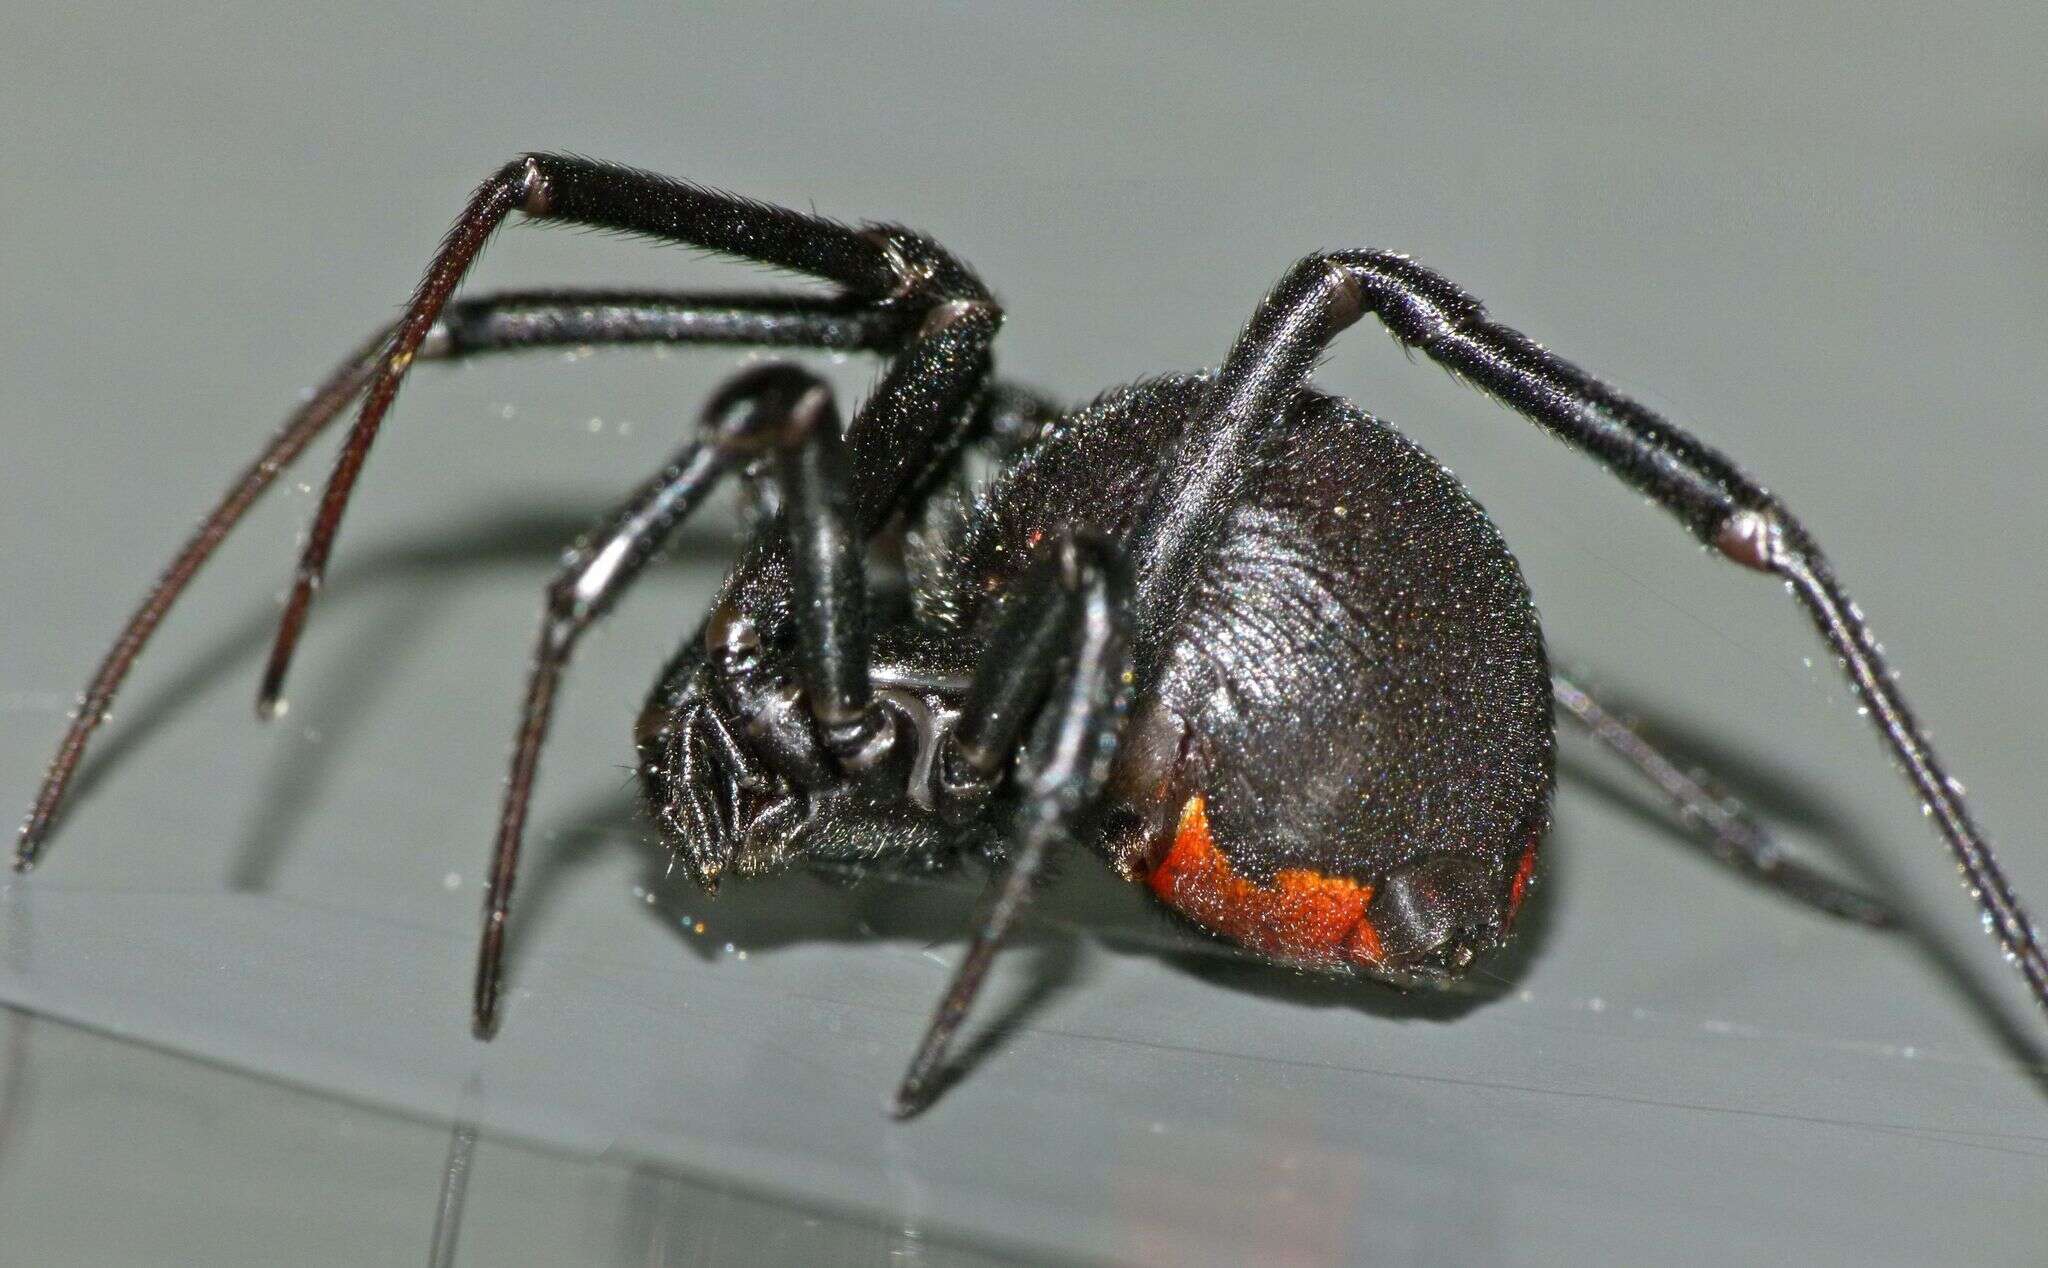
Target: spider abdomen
(1343,755)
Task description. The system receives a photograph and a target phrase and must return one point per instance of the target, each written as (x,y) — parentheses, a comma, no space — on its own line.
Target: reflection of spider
(1252,645)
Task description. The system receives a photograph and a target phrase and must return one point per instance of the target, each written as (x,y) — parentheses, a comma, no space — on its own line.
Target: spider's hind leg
(1723,508)
(1728,831)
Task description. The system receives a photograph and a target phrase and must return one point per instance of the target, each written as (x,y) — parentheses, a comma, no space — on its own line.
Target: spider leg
(882,264)
(1732,834)
(784,415)
(513,321)
(305,424)
(1325,294)
(775,411)
(504,322)
(594,572)
(1055,664)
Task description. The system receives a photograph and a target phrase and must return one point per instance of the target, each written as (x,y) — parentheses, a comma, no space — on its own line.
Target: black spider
(1255,648)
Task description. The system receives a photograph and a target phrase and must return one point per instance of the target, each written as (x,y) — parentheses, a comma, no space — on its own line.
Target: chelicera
(1248,644)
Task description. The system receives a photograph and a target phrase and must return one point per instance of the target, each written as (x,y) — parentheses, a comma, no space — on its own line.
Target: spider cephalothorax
(741,784)
(1260,653)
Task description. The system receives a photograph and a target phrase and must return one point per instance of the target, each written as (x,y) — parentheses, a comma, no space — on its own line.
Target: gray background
(1819,239)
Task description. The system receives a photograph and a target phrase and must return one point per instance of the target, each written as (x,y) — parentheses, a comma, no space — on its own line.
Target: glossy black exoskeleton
(1255,649)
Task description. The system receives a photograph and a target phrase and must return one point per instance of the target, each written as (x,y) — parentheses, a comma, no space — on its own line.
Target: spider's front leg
(512,322)
(780,420)
(882,265)
(1055,670)
(745,420)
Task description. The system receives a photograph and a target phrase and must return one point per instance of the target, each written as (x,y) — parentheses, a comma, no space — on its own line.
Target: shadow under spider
(764,914)
(1082,899)
(1782,802)
(474,542)
(802,908)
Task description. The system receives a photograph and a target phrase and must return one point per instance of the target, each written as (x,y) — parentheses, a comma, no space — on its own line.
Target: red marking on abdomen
(1303,916)
(1519,889)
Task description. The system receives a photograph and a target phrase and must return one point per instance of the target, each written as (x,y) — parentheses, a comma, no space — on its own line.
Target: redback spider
(1247,643)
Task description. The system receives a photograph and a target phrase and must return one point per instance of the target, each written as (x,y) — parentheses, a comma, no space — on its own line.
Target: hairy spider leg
(1072,611)
(778,412)
(299,430)
(837,492)
(1327,293)
(882,264)
(1731,834)
(503,322)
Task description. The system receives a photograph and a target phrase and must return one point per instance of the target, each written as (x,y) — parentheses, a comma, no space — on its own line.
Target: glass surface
(191,1162)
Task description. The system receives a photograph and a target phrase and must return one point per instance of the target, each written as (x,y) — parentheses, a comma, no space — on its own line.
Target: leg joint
(1754,538)
(950,313)
(925,271)
(1418,307)
(773,406)
(528,175)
